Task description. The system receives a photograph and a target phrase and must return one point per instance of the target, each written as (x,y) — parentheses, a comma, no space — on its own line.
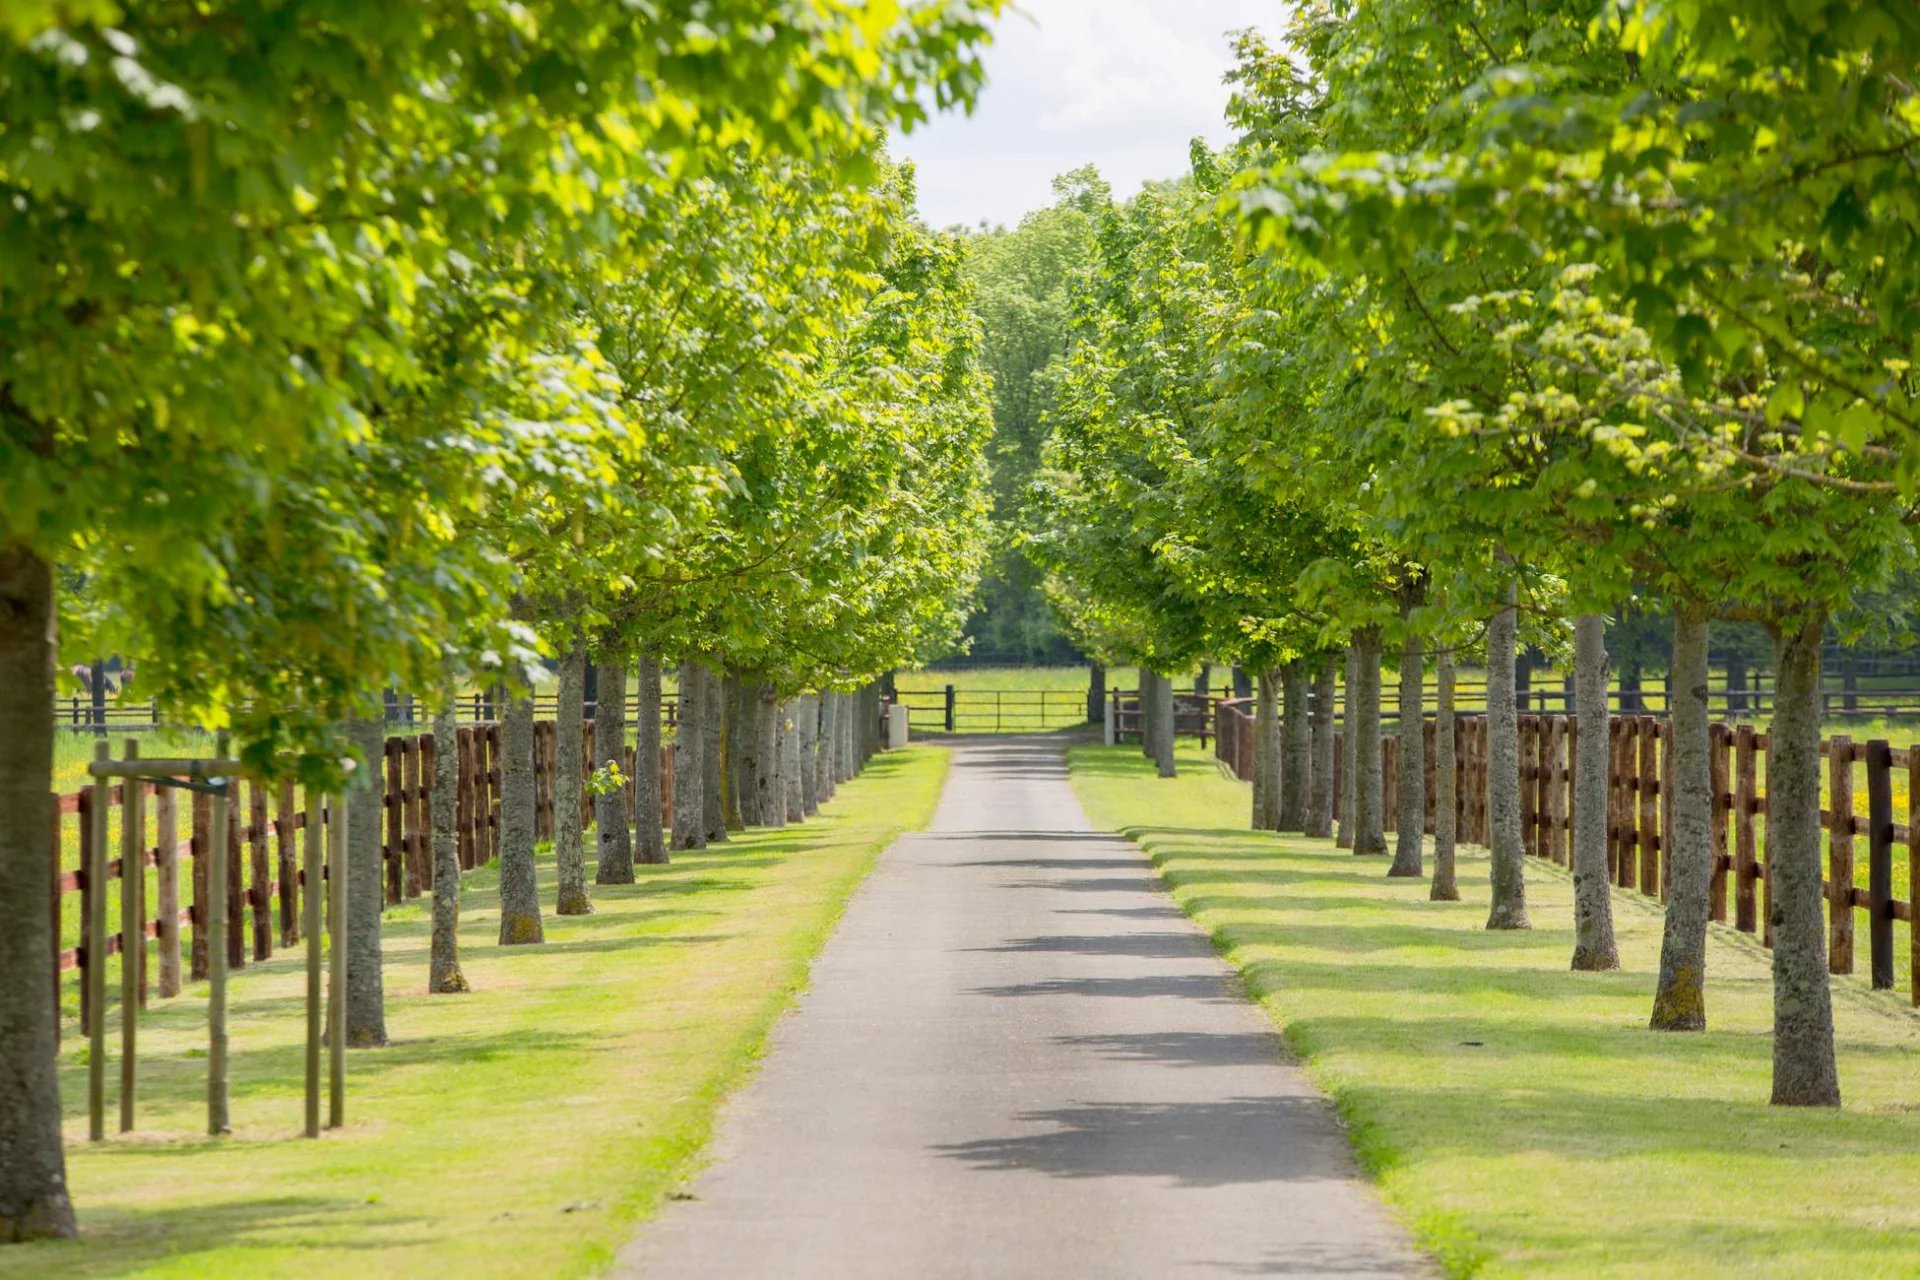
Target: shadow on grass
(118,1239)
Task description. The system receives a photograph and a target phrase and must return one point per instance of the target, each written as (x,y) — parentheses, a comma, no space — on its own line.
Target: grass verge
(520,1130)
(1520,1116)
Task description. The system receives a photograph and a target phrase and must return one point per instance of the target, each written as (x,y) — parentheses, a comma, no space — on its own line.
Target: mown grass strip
(1521,1116)
(520,1130)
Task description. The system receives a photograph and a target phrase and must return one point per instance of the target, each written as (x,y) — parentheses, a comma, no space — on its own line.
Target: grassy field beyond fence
(1521,1116)
(520,1130)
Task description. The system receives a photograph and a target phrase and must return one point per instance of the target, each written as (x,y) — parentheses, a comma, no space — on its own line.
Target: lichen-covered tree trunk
(806,714)
(1369,834)
(1503,776)
(1320,783)
(34,1201)
(366,891)
(1594,948)
(1680,1002)
(1804,1073)
(1266,753)
(1347,822)
(713,727)
(1163,735)
(1410,820)
(1446,783)
(612,836)
(519,883)
(649,823)
(690,760)
(569,748)
(792,800)
(1096,694)
(1296,746)
(746,763)
(444,975)
(734,744)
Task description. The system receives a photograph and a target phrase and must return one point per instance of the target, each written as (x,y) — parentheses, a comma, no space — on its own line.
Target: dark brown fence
(264,878)
(1862,783)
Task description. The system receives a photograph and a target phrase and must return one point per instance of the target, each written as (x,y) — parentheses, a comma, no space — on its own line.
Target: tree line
(347,347)
(1500,324)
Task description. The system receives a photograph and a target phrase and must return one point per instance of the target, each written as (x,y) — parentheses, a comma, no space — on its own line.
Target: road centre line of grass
(1521,1116)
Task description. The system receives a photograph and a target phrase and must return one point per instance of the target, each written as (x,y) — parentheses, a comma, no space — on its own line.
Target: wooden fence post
(1913,873)
(392,849)
(1762,873)
(262,897)
(286,842)
(236,903)
(1649,784)
(1839,816)
(1666,807)
(463,798)
(56,847)
(201,850)
(1619,838)
(428,764)
(1879,757)
(1746,777)
(1722,806)
(133,931)
(93,906)
(1559,830)
(168,891)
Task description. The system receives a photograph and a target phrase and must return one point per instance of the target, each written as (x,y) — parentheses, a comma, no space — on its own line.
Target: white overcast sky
(1123,84)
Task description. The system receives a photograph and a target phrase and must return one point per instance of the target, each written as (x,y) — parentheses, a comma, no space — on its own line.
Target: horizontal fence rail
(1870,806)
(955,710)
(264,881)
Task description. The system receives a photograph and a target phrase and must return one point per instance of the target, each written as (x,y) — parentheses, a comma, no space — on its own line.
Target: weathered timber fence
(1862,783)
(1193,714)
(264,879)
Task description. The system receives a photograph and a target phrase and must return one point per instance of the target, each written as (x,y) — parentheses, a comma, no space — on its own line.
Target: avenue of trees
(1499,320)
(346,347)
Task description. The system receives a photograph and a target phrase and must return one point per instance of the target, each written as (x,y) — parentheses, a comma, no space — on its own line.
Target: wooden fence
(264,880)
(1859,796)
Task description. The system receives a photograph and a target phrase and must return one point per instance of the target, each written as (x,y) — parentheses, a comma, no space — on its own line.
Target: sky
(1123,84)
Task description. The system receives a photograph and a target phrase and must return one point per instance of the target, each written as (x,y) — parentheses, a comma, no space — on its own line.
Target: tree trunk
(366,891)
(34,1202)
(1446,783)
(1503,776)
(519,880)
(1804,1074)
(823,784)
(806,764)
(569,746)
(735,743)
(612,835)
(690,760)
(1410,821)
(713,727)
(1630,700)
(1369,835)
(796,791)
(769,800)
(1736,686)
(843,738)
(746,751)
(1242,682)
(1681,1001)
(1349,753)
(1163,734)
(1320,786)
(1296,747)
(1096,694)
(444,976)
(1147,682)
(649,823)
(1266,753)
(1593,944)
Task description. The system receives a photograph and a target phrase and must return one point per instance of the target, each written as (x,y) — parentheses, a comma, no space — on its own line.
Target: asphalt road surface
(1017,1058)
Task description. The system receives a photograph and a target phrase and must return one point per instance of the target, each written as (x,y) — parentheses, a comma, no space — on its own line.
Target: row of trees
(1498,319)
(346,347)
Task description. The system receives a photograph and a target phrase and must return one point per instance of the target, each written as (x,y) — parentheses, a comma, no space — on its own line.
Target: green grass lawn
(520,1130)
(1520,1116)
